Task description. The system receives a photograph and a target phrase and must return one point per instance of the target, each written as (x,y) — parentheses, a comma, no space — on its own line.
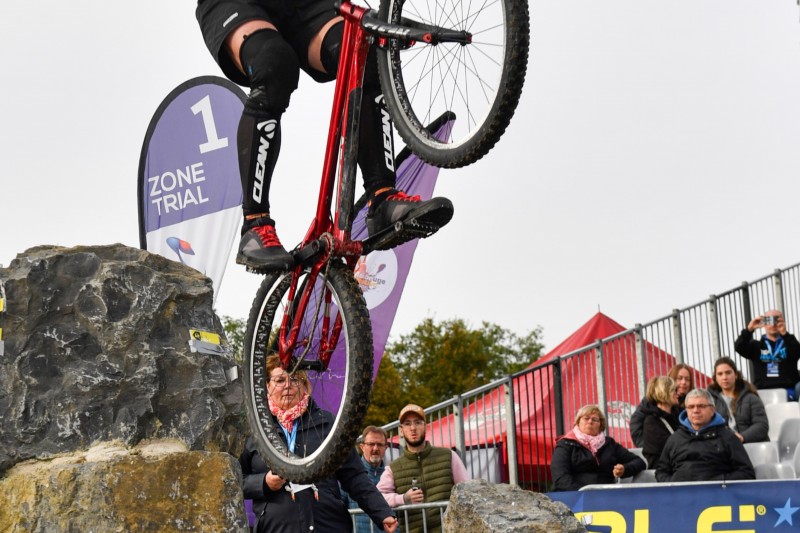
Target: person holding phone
(775,355)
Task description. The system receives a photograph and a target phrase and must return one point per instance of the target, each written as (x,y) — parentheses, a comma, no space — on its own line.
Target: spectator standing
(681,374)
(372,445)
(422,474)
(774,356)
(285,507)
(703,448)
(660,421)
(586,456)
(737,401)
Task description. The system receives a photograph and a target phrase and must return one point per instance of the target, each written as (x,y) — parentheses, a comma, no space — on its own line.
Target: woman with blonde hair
(586,456)
(683,377)
(660,417)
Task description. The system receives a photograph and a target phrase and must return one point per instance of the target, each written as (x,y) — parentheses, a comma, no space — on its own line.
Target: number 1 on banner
(214,142)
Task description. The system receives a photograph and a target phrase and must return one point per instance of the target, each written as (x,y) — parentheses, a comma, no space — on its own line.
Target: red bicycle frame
(329,236)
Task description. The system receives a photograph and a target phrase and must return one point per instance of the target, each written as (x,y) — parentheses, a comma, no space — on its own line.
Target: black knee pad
(331,48)
(273,70)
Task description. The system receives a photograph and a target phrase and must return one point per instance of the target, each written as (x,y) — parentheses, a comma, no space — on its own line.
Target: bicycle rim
(342,389)
(480,82)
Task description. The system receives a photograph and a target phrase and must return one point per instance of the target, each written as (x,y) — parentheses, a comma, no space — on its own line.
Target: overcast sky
(654,158)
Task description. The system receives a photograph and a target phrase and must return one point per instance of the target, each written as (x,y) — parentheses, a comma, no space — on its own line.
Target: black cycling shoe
(395,218)
(260,249)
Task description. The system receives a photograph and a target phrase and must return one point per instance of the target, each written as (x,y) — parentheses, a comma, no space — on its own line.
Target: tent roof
(598,327)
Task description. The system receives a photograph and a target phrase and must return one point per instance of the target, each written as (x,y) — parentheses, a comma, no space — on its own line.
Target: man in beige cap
(422,474)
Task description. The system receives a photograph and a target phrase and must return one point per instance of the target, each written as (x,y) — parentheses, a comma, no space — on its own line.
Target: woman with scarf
(586,456)
(284,507)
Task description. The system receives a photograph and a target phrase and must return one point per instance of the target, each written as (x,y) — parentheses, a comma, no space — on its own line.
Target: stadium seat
(796,462)
(775,471)
(645,476)
(773,396)
(777,413)
(788,438)
(638,451)
(762,452)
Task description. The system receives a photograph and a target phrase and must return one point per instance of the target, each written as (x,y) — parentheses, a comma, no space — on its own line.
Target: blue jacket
(363,523)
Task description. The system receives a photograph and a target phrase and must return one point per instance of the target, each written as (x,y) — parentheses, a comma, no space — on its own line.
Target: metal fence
(505,431)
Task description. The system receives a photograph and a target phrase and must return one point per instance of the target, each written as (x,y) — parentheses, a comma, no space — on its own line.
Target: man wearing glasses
(373,445)
(422,474)
(703,448)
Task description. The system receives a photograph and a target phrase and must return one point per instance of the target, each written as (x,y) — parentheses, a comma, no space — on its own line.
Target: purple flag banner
(190,194)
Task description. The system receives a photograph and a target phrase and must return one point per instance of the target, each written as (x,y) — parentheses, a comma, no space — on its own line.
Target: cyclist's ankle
(256,219)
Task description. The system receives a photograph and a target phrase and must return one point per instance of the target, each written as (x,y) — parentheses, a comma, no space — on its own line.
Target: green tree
(234,331)
(387,395)
(437,361)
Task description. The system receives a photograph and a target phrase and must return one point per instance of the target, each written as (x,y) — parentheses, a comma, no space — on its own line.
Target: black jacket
(713,453)
(750,414)
(758,352)
(636,423)
(656,432)
(573,466)
(276,512)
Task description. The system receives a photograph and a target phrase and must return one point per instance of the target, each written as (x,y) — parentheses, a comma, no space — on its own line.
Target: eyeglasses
(412,423)
(373,444)
(698,406)
(282,381)
(587,418)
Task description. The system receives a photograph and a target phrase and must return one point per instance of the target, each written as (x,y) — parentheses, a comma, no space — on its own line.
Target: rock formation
(96,355)
(478,506)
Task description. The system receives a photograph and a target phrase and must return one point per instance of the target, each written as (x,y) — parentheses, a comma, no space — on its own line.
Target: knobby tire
(480,82)
(350,374)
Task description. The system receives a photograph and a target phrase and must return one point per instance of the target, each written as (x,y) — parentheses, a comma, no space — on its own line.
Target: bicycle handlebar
(411,30)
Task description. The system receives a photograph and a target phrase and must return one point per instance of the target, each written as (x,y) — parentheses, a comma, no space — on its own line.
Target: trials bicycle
(456,62)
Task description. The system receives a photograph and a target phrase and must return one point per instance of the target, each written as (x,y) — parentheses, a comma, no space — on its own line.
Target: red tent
(536,397)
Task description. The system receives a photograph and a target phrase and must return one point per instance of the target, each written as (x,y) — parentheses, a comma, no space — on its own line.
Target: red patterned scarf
(590,442)
(286,417)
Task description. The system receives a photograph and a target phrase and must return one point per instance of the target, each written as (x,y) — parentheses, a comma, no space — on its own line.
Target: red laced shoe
(261,250)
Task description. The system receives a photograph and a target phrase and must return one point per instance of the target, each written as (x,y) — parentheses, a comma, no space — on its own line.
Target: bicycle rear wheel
(342,389)
(480,82)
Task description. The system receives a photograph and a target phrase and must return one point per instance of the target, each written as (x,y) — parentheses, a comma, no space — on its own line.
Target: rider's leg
(376,144)
(272,69)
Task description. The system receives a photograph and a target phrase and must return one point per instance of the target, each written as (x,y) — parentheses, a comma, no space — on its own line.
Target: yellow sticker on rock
(205,336)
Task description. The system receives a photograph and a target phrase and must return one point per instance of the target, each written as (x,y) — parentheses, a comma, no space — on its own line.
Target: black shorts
(298,21)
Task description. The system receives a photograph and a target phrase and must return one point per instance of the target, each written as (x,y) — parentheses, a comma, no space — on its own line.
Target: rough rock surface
(97,349)
(478,506)
(158,487)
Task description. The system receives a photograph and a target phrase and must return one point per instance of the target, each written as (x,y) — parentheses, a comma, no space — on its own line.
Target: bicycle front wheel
(335,320)
(479,82)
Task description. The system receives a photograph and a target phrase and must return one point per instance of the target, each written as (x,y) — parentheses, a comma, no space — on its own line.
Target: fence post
(511,431)
(677,336)
(747,312)
(458,415)
(713,327)
(641,360)
(601,382)
(558,398)
(776,278)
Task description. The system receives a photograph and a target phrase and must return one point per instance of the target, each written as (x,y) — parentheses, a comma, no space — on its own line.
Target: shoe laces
(400,196)
(267,234)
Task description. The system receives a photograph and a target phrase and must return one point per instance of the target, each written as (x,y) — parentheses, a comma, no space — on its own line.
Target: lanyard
(291,438)
(777,351)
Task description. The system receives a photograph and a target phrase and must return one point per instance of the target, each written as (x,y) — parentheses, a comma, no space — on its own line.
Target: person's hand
(756,323)
(781,325)
(390,524)
(619,470)
(741,438)
(274,481)
(414,496)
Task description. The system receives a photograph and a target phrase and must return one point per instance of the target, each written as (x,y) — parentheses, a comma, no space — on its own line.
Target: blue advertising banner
(190,193)
(732,507)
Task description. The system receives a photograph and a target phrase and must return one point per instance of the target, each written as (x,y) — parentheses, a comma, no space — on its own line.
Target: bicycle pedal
(400,233)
